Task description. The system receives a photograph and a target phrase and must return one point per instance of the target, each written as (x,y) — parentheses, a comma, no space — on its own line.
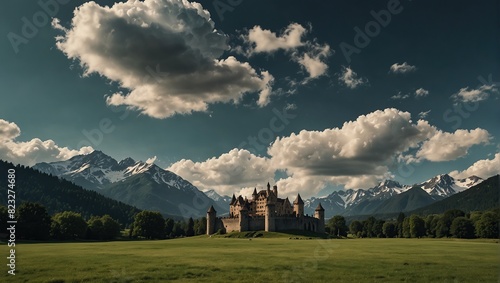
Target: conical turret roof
(211,209)
(298,200)
(319,208)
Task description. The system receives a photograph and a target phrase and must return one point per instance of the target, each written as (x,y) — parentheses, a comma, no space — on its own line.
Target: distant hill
(59,195)
(412,199)
(483,196)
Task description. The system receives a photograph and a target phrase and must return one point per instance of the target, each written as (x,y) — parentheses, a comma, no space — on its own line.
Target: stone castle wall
(282,223)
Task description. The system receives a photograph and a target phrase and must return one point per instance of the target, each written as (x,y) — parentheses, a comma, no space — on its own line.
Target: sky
(231,94)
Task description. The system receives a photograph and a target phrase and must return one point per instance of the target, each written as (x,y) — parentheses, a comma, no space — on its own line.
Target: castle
(265,211)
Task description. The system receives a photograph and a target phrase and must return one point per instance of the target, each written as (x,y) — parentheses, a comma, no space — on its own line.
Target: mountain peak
(127,162)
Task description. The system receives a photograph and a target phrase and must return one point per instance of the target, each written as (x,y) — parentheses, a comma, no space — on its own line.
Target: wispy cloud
(350,78)
(474,95)
(402,68)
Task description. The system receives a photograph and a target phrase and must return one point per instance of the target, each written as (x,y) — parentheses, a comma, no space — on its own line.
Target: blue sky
(194,84)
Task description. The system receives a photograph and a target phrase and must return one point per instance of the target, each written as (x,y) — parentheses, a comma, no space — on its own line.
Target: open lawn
(273,259)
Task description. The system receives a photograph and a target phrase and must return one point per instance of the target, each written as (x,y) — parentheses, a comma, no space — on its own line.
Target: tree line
(35,223)
(452,223)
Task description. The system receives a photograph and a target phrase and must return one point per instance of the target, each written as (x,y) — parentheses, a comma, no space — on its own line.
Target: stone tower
(298,206)
(211,218)
(275,190)
(254,195)
(269,217)
(243,218)
(319,213)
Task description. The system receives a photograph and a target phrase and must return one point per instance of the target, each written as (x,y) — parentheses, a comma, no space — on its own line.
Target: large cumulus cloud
(482,168)
(166,52)
(227,173)
(32,151)
(357,155)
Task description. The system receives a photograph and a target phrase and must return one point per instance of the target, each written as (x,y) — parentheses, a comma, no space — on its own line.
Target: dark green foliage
(337,226)
(4,215)
(190,228)
(399,224)
(94,228)
(200,226)
(149,224)
(68,225)
(368,227)
(444,224)
(462,227)
(59,195)
(169,227)
(356,228)
(33,221)
(178,230)
(417,226)
(104,228)
(488,225)
(389,229)
(406,228)
(377,228)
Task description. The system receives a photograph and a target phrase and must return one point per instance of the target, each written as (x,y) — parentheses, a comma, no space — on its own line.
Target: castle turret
(211,218)
(255,195)
(319,213)
(243,218)
(275,190)
(268,191)
(298,206)
(269,217)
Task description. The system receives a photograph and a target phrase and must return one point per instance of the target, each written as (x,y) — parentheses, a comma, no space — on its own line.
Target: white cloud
(483,168)
(33,151)
(402,68)
(356,154)
(424,114)
(310,55)
(264,40)
(313,60)
(350,78)
(421,92)
(400,96)
(229,173)
(474,95)
(166,52)
(444,146)
(151,160)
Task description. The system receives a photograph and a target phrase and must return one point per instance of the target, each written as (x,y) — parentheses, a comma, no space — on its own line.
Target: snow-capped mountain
(215,196)
(221,201)
(142,184)
(97,170)
(355,202)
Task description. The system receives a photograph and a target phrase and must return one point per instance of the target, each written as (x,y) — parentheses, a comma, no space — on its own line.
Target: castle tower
(269,217)
(319,213)
(255,195)
(268,191)
(211,218)
(243,218)
(275,190)
(298,206)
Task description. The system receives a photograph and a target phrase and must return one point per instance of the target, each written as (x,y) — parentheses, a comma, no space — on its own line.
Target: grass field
(273,259)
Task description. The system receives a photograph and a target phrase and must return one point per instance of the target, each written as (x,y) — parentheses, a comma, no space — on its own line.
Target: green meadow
(272,258)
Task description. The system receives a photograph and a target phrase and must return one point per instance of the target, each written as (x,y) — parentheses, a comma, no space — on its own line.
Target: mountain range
(147,186)
(390,196)
(141,184)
